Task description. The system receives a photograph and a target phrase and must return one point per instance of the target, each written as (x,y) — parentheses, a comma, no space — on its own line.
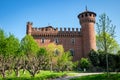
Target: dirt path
(77,75)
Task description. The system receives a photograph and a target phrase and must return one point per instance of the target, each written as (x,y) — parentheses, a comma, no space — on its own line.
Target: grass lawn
(43,75)
(99,77)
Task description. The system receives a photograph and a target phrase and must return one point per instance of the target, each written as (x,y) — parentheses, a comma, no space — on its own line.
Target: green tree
(2,53)
(104,30)
(8,47)
(111,44)
(84,63)
(64,62)
(112,62)
(18,61)
(105,34)
(12,46)
(117,60)
(119,52)
(43,59)
(75,65)
(54,52)
(94,58)
(30,47)
(102,59)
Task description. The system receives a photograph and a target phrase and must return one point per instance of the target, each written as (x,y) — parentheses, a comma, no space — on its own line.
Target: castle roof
(86,12)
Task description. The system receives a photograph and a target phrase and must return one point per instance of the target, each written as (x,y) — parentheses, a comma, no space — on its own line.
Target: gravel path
(77,75)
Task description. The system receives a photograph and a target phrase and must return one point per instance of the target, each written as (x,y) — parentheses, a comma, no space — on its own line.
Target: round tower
(29,28)
(87,21)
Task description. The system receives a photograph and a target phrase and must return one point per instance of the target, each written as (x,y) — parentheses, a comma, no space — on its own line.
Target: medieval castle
(78,41)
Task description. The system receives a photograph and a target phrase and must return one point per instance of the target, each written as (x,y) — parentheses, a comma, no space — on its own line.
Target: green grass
(99,77)
(48,74)
(43,75)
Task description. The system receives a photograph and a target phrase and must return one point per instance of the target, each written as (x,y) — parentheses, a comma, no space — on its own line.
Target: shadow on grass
(99,77)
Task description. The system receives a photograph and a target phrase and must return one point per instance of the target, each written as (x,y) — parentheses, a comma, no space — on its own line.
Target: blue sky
(58,13)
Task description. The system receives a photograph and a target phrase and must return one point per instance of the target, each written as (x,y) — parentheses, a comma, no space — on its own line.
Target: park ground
(75,75)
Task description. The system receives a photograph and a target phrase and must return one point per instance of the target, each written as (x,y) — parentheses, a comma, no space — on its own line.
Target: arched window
(72,52)
(82,16)
(90,14)
(86,15)
(43,40)
(73,40)
(56,40)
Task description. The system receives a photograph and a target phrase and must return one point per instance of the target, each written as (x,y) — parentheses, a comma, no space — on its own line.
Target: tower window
(56,40)
(90,14)
(73,40)
(72,52)
(42,29)
(43,40)
(46,29)
(86,15)
(82,16)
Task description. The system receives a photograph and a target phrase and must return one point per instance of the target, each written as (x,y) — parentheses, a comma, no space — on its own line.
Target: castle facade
(79,41)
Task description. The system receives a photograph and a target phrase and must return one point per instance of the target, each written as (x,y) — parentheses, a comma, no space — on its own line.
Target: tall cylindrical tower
(87,21)
(29,28)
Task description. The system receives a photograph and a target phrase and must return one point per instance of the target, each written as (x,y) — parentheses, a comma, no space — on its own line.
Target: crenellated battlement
(70,29)
(46,29)
(50,31)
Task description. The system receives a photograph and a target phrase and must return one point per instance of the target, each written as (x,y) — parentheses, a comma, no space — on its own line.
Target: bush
(84,63)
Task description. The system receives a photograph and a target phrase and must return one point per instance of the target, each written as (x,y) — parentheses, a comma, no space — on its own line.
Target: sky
(14,14)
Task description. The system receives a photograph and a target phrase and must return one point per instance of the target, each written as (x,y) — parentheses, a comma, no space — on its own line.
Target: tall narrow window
(56,40)
(43,40)
(73,40)
(72,52)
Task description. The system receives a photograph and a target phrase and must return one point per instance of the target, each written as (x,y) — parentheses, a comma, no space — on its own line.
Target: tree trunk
(33,74)
(17,73)
(3,73)
(51,65)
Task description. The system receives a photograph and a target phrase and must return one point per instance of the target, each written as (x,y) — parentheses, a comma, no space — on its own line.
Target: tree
(94,58)
(104,30)
(12,46)
(84,63)
(111,44)
(54,51)
(106,34)
(102,59)
(64,62)
(18,61)
(43,59)
(112,62)
(30,47)
(117,60)
(75,65)
(8,47)
(2,53)
(118,52)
